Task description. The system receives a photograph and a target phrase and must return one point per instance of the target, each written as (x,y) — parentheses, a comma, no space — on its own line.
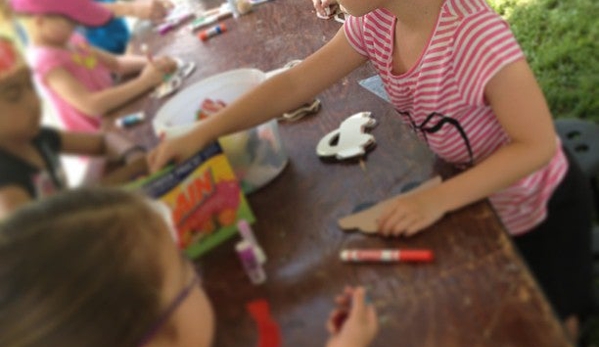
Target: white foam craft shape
(352,138)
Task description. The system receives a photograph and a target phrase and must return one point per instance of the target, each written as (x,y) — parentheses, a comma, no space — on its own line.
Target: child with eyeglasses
(30,166)
(77,77)
(99,267)
(456,75)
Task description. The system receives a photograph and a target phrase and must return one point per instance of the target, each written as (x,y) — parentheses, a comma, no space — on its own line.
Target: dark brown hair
(80,269)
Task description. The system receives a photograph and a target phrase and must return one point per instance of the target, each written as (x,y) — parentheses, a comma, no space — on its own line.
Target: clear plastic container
(256,155)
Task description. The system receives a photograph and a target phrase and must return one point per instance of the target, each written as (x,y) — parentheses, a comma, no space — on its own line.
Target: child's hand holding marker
(167,64)
(353,323)
(156,72)
(157,68)
(154,10)
(176,150)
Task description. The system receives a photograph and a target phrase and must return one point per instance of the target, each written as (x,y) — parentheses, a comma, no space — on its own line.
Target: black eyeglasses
(425,128)
(172,307)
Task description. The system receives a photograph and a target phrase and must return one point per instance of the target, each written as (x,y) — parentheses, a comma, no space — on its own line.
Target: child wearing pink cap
(29,153)
(75,76)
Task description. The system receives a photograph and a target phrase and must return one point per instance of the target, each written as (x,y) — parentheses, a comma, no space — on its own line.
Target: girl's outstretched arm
(521,109)
(270,99)
(101,102)
(154,10)
(11,198)
(124,64)
(111,145)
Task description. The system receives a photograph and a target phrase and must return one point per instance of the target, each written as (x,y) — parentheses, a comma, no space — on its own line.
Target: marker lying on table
(387,255)
(215,30)
(203,22)
(129,120)
(211,18)
(258,2)
(173,23)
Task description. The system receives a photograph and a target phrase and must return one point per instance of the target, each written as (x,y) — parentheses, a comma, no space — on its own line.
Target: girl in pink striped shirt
(458,78)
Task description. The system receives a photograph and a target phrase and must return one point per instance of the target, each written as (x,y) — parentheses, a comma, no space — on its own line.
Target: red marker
(387,255)
(339,319)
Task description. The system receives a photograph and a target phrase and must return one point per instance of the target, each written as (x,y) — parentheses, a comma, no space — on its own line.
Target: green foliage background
(561,42)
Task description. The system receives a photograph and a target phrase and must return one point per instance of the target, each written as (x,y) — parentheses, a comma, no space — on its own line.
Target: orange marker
(213,31)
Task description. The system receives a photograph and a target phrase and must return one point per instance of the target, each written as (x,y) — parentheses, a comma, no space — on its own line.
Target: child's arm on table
(270,99)
(154,10)
(110,144)
(128,64)
(520,107)
(101,102)
(361,325)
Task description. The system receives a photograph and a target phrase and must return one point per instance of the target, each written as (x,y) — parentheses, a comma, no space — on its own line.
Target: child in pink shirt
(74,75)
(456,76)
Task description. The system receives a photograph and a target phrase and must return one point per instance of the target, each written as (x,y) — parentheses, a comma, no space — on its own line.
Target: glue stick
(251,264)
(215,30)
(246,232)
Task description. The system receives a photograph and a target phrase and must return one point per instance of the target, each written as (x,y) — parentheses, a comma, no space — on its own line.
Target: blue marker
(130,120)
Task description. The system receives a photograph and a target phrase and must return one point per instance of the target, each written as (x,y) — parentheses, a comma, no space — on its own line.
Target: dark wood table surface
(478,292)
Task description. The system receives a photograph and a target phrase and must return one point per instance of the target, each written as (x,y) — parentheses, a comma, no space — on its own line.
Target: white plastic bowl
(256,155)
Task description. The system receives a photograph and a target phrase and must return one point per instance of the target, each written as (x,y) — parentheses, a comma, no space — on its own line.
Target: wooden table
(477,293)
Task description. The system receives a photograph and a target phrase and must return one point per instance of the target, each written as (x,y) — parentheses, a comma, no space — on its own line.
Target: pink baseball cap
(85,12)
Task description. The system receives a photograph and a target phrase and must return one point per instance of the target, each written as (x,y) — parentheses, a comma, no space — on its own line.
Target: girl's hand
(320,5)
(410,213)
(360,326)
(175,150)
(167,64)
(134,154)
(154,10)
(154,72)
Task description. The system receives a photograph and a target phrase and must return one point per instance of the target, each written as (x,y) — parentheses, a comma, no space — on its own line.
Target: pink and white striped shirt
(442,96)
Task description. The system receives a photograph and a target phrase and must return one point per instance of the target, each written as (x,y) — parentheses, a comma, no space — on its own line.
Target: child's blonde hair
(81,269)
